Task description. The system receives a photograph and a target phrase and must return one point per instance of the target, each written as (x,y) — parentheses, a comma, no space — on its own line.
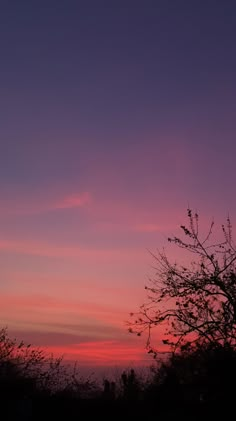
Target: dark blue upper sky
(87,81)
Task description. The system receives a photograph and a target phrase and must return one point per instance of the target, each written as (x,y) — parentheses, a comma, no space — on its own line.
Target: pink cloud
(148,228)
(88,351)
(88,332)
(104,353)
(46,312)
(45,301)
(42,203)
(73,201)
(64,251)
(115,216)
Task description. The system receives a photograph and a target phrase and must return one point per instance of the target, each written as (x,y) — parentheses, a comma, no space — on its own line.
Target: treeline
(35,385)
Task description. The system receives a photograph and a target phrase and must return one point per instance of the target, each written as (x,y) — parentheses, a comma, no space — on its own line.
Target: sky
(115,117)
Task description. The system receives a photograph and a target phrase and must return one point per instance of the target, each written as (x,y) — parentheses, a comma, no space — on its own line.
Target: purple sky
(115,117)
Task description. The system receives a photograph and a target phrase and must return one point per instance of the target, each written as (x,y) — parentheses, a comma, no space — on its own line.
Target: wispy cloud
(43,204)
(45,313)
(87,351)
(73,201)
(148,228)
(64,251)
(108,352)
(84,331)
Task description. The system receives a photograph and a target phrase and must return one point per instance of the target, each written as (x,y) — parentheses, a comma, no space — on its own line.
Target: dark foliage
(189,382)
(205,374)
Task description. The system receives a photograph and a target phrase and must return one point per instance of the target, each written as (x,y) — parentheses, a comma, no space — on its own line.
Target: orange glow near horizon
(103,354)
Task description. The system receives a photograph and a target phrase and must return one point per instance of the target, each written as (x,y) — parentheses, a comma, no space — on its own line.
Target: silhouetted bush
(203,374)
(194,381)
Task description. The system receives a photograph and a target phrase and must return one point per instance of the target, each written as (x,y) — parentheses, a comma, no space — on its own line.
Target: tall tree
(196,302)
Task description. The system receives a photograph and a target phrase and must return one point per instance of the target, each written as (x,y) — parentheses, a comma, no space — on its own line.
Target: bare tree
(30,362)
(22,363)
(196,303)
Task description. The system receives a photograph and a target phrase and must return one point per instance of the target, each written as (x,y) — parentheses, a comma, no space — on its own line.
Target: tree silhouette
(131,385)
(24,367)
(196,302)
(203,374)
(30,363)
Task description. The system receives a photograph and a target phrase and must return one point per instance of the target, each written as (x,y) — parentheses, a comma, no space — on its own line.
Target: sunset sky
(115,117)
